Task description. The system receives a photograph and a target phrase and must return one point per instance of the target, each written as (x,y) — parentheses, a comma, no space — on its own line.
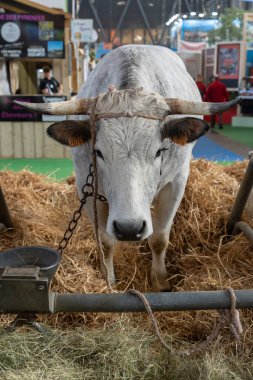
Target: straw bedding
(199,256)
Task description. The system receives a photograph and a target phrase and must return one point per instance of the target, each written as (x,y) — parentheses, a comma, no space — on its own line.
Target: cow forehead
(125,134)
(131,102)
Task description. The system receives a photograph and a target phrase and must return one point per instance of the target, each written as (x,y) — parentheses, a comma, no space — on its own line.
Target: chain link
(87,191)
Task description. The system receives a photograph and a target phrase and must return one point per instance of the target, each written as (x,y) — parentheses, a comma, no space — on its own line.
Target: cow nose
(129,231)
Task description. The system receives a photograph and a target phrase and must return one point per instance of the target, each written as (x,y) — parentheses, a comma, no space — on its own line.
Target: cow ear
(70,132)
(183,131)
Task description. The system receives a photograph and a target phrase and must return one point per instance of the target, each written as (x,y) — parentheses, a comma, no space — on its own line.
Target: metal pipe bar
(5,217)
(126,302)
(188,5)
(121,20)
(173,11)
(241,198)
(146,21)
(94,11)
(245,228)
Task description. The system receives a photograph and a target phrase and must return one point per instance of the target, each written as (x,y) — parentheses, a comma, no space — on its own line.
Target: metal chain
(87,191)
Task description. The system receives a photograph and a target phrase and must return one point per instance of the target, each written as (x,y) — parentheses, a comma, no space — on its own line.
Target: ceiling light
(214,13)
(121,2)
(172,19)
(201,15)
(137,38)
(150,4)
(185,16)
(193,13)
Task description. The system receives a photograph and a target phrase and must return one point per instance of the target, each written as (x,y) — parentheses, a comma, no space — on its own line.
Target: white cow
(143,153)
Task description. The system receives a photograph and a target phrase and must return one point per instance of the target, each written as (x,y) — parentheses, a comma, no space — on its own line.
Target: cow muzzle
(129,230)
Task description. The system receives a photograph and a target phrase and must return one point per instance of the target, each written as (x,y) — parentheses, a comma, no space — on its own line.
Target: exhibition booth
(31,36)
(232,61)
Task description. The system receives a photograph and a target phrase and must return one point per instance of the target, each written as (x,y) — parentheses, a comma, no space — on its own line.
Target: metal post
(126,302)
(241,198)
(146,21)
(245,228)
(98,20)
(165,26)
(5,217)
(121,19)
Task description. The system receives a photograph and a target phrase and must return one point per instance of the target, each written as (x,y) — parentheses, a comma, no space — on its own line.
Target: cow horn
(185,107)
(69,107)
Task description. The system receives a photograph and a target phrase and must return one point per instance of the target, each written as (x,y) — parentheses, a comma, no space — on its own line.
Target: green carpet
(56,168)
(239,134)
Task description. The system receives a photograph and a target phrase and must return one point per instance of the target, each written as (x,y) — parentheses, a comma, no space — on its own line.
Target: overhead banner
(195,47)
(30,36)
(197,30)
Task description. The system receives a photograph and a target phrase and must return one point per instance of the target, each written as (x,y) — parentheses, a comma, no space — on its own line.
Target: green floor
(240,134)
(60,169)
(55,168)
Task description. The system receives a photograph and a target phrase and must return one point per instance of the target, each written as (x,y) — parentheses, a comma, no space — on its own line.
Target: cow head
(139,148)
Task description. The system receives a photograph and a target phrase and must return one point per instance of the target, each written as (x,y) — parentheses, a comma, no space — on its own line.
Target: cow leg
(108,244)
(107,241)
(158,275)
(166,205)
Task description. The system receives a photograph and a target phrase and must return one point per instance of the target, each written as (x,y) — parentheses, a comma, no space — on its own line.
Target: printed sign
(23,35)
(10,111)
(228,63)
(82,30)
(248,29)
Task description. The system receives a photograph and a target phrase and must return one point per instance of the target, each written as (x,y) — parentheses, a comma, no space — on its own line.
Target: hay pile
(199,256)
(116,353)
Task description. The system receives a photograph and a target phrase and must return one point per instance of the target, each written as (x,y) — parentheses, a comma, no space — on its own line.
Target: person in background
(201,86)
(210,80)
(49,85)
(216,93)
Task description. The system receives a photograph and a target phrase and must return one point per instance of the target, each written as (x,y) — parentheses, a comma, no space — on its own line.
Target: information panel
(228,63)
(40,36)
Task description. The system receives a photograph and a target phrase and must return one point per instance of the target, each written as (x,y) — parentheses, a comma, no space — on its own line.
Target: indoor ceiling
(157,12)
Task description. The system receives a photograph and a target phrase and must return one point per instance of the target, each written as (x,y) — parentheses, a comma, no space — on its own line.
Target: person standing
(216,93)
(49,85)
(201,86)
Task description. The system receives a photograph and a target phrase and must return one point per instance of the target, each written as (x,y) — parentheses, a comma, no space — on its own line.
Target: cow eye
(98,153)
(158,153)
